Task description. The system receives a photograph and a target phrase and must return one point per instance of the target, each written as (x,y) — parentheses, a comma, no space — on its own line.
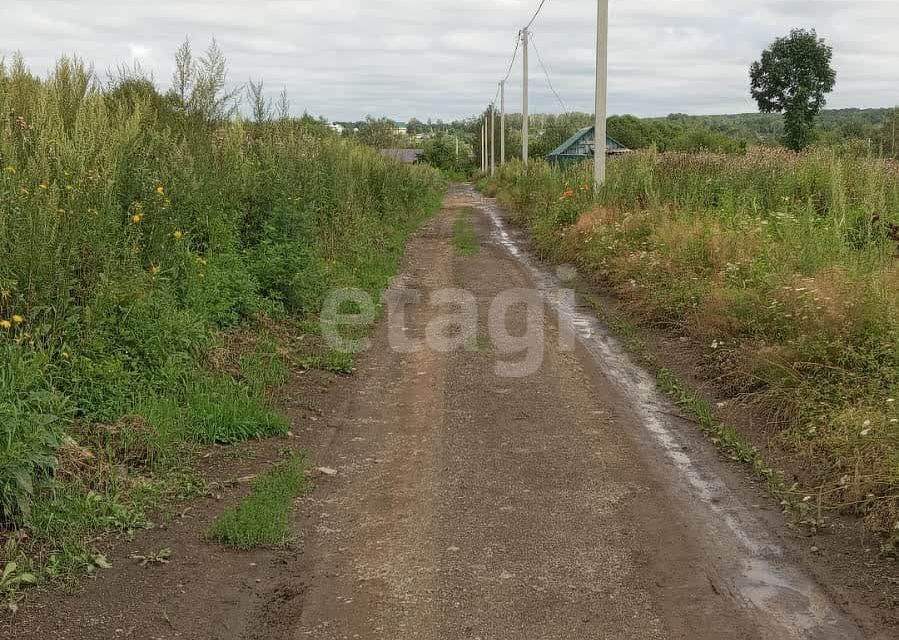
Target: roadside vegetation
(465,237)
(783,266)
(137,229)
(262,518)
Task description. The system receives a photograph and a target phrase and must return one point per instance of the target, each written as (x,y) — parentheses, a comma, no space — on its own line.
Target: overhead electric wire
(518,44)
(546,73)
(514,56)
(542,2)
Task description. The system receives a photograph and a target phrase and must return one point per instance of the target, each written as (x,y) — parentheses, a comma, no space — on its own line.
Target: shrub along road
(469,505)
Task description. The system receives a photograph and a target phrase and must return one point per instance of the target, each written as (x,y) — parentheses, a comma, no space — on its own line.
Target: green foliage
(887,135)
(465,237)
(134,226)
(379,133)
(792,77)
(440,152)
(221,410)
(32,418)
(264,369)
(783,264)
(262,517)
(672,134)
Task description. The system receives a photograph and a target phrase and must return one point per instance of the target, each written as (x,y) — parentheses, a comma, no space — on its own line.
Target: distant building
(337,128)
(400,128)
(582,146)
(406,156)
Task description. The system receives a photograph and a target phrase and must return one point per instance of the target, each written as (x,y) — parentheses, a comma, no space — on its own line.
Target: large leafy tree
(792,78)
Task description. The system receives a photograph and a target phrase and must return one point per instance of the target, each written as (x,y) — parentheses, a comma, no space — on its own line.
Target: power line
(518,41)
(542,2)
(546,73)
(514,56)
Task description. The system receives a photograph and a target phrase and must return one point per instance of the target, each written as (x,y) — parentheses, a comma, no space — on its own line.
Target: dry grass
(784,264)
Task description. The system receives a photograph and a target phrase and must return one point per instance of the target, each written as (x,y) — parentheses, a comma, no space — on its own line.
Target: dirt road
(474,505)
(570,503)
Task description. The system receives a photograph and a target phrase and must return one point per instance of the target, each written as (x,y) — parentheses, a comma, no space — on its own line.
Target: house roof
(611,143)
(406,156)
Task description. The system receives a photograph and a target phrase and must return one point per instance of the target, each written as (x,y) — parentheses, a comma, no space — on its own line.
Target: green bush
(32,421)
(134,225)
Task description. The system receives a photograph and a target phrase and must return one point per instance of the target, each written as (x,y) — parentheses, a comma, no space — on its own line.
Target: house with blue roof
(582,146)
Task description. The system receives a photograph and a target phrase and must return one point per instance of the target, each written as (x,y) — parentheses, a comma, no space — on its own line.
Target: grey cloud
(442,58)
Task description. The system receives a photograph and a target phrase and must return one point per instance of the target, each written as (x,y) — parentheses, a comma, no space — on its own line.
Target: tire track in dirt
(470,505)
(466,505)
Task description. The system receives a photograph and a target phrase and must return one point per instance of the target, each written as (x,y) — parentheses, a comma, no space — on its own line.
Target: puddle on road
(789,604)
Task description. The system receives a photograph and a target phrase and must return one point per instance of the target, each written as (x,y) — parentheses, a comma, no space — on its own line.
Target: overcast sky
(442,58)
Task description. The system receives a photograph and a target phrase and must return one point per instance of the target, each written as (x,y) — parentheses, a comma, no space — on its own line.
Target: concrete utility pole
(524,98)
(502,122)
(492,139)
(484,145)
(602,67)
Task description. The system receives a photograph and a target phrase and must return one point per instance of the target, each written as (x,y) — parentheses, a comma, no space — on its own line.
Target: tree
(440,152)
(415,126)
(379,133)
(792,78)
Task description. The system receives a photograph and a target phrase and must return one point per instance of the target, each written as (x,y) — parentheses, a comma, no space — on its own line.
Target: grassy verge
(262,517)
(783,265)
(140,233)
(465,238)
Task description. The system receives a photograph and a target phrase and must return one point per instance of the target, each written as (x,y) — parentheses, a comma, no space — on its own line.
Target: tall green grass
(781,265)
(133,227)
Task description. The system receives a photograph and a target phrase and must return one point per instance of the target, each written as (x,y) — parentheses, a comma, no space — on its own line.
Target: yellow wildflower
(178,234)
(201,260)
(160,190)
(136,218)
(65,355)
(5,324)
(17,319)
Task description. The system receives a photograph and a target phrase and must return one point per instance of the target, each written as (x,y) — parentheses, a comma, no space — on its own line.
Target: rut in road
(475,505)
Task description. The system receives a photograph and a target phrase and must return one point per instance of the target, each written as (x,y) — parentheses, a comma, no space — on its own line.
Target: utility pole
(502,123)
(524,98)
(602,67)
(893,143)
(484,146)
(492,139)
